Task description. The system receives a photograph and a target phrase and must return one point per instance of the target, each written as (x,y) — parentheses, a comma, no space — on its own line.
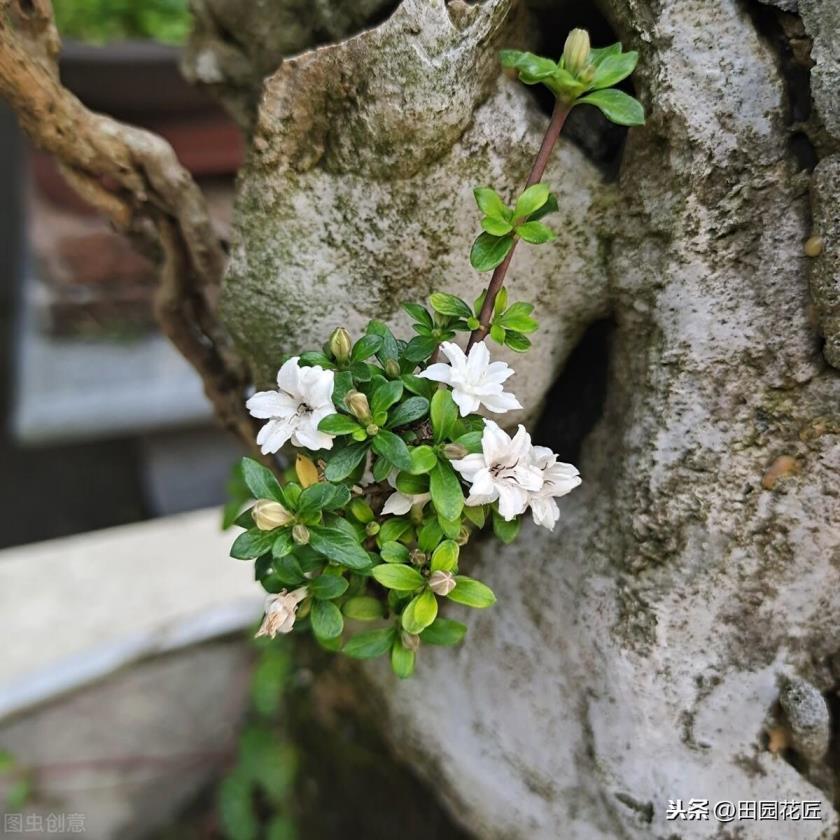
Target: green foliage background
(101,21)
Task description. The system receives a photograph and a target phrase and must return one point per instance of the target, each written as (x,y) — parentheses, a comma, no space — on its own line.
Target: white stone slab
(75,609)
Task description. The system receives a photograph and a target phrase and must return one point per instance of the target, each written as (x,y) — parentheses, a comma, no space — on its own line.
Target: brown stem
(558,118)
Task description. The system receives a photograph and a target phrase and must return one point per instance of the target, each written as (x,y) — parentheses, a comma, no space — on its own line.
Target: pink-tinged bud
(418,558)
(269,515)
(410,641)
(441,583)
(576,51)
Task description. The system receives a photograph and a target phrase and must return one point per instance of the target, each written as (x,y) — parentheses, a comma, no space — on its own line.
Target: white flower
(399,503)
(474,379)
(502,470)
(557,480)
(302,401)
(280,612)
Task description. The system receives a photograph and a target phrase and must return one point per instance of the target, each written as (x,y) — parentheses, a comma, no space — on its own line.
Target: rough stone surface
(235,45)
(357,193)
(636,653)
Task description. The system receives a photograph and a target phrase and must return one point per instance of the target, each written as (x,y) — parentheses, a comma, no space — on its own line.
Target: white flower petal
(397,503)
(438,372)
(497,373)
(455,354)
(494,443)
(500,403)
(307,436)
(477,361)
(288,376)
(273,435)
(469,465)
(466,403)
(545,512)
(512,500)
(266,404)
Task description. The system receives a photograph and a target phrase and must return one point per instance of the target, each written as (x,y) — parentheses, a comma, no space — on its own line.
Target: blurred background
(133,702)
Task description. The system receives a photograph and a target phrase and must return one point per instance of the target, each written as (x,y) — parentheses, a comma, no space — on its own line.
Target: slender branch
(134,178)
(555,126)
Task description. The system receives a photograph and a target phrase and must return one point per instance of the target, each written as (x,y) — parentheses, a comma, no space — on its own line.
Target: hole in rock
(575,402)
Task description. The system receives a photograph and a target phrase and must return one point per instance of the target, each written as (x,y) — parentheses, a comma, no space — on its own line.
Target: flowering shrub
(396,468)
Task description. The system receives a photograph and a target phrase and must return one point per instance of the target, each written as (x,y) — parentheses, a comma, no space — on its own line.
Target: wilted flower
(441,583)
(474,379)
(399,503)
(302,401)
(557,480)
(502,470)
(280,612)
(269,515)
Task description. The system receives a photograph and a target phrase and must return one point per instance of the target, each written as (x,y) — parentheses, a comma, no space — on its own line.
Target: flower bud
(392,369)
(372,529)
(410,641)
(463,535)
(441,583)
(576,51)
(300,534)
(340,345)
(418,558)
(372,429)
(361,509)
(269,515)
(359,406)
(455,451)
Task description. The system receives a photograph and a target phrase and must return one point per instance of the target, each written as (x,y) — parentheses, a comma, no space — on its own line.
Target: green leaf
(419,348)
(412,485)
(445,557)
(476,515)
(385,396)
(381,469)
(598,54)
(450,305)
(393,530)
(495,228)
(339,547)
(429,536)
(408,411)
(363,608)
(616,106)
(497,333)
(261,481)
(394,552)
(532,68)
(517,342)
(471,593)
(252,544)
(390,349)
(326,618)
(315,358)
(549,207)
(450,527)
(443,631)
(420,613)
(322,496)
(281,827)
(343,461)
(402,660)
(504,530)
(518,317)
(531,200)
(370,644)
(613,68)
(488,251)
(491,204)
(399,577)
(535,232)
(443,414)
(447,496)
(237,808)
(471,441)
(343,383)
(288,570)
(365,347)
(423,459)
(419,313)
(338,424)
(327,587)
(283,544)
(422,387)
(389,446)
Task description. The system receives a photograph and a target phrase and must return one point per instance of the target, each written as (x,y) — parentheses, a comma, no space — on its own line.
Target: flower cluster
(396,471)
